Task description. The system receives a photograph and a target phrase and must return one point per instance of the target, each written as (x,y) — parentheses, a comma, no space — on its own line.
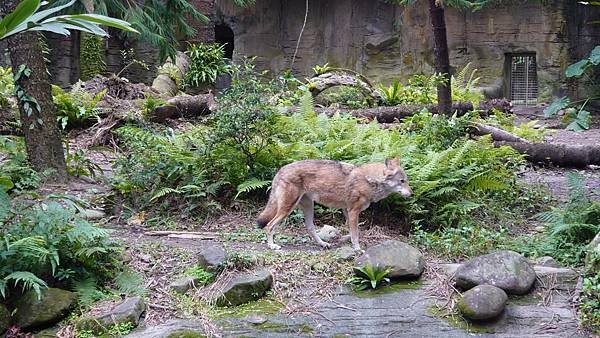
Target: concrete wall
(388,42)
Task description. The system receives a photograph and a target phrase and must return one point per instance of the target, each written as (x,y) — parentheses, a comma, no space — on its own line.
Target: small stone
(404,260)
(482,302)
(507,270)
(245,288)
(145,258)
(256,320)
(212,258)
(93,214)
(54,305)
(328,233)
(182,285)
(129,310)
(547,261)
(540,228)
(344,254)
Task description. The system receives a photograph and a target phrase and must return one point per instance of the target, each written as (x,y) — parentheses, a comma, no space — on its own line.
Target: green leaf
(23,11)
(557,105)
(577,69)
(581,122)
(6,183)
(595,56)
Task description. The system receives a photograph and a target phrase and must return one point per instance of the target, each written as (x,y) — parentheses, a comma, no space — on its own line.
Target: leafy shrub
(15,173)
(391,95)
(319,70)
(420,89)
(571,226)
(92,52)
(343,96)
(589,306)
(369,276)
(207,61)
(77,107)
(463,89)
(150,104)
(78,164)
(47,244)
(7,87)
(201,276)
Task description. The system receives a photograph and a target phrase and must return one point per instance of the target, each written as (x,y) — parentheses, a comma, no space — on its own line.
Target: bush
(207,61)
(77,107)
(15,173)
(47,244)
(7,87)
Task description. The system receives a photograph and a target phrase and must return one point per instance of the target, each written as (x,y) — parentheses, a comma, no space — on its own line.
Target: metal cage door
(523,79)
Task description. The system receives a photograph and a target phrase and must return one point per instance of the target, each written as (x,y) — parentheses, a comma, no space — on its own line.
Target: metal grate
(523,79)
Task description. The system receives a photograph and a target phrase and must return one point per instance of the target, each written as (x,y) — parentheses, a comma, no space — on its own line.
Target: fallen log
(184,106)
(396,113)
(563,155)
(496,133)
(342,77)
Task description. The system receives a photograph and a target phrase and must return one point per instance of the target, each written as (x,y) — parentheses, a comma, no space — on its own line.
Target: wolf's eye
(401,181)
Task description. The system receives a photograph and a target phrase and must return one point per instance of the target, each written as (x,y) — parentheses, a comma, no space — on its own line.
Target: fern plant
(391,95)
(207,61)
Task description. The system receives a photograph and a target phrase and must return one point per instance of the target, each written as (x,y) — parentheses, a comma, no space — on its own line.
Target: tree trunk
(40,129)
(440,49)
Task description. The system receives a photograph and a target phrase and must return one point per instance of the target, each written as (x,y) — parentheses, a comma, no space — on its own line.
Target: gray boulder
(212,258)
(93,214)
(245,288)
(327,233)
(547,261)
(54,305)
(129,310)
(175,328)
(404,260)
(482,302)
(344,253)
(507,270)
(4,318)
(592,258)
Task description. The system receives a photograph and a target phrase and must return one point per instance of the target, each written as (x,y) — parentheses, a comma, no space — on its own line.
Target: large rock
(547,261)
(245,288)
(507,270)
(4,318)
(129,310)
(212,258)
(172,329)
(482,302)
(592,259)
(54,305)
(404,260)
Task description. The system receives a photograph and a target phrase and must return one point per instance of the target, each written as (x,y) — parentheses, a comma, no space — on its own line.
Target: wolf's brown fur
(332,184)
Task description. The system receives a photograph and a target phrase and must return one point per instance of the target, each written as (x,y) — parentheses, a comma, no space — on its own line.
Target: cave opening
(224,36)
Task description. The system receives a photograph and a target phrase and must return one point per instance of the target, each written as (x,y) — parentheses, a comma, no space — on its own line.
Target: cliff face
(388,42)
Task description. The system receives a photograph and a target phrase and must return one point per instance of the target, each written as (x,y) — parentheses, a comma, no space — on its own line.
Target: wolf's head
(395,177)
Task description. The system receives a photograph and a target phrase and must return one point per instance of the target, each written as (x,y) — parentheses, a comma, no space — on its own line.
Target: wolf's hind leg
(307,205)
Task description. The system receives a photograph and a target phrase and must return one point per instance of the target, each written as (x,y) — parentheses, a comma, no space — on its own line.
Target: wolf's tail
(270,210)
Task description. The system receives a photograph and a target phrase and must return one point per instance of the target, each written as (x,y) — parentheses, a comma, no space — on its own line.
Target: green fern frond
(27,281)
(250,185)
(130,283)
(307,103)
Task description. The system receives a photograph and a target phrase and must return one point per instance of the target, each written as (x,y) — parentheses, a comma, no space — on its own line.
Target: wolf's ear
(392,162)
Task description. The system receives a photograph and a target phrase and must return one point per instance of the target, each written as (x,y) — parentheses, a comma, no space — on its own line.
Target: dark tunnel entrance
(224,36)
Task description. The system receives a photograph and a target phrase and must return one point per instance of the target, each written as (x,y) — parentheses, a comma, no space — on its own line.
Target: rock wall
(388,42)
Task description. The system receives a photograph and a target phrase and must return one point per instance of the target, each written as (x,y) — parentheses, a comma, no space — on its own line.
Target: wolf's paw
(357,249)
(274,246)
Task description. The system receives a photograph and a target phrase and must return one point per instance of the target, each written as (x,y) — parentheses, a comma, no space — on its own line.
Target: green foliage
(120,329)
(589,304)
(7,87)
(78,164)
(15,173)
(528,130)
(77,107)
(28,16)
(47,244)
(571,226)
(201,276)
(150,104)
(463,88)
(250,185)
(207,61)
(319,70)
(130,283)
(577,119)
(391,95)
(577,69)
(343,96)
(92,52)
(461,242)
(369,276)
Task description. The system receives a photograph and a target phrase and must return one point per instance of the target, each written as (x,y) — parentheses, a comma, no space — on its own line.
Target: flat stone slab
(171,329)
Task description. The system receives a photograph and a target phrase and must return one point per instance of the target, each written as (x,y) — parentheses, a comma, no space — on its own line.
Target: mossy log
(184,106)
